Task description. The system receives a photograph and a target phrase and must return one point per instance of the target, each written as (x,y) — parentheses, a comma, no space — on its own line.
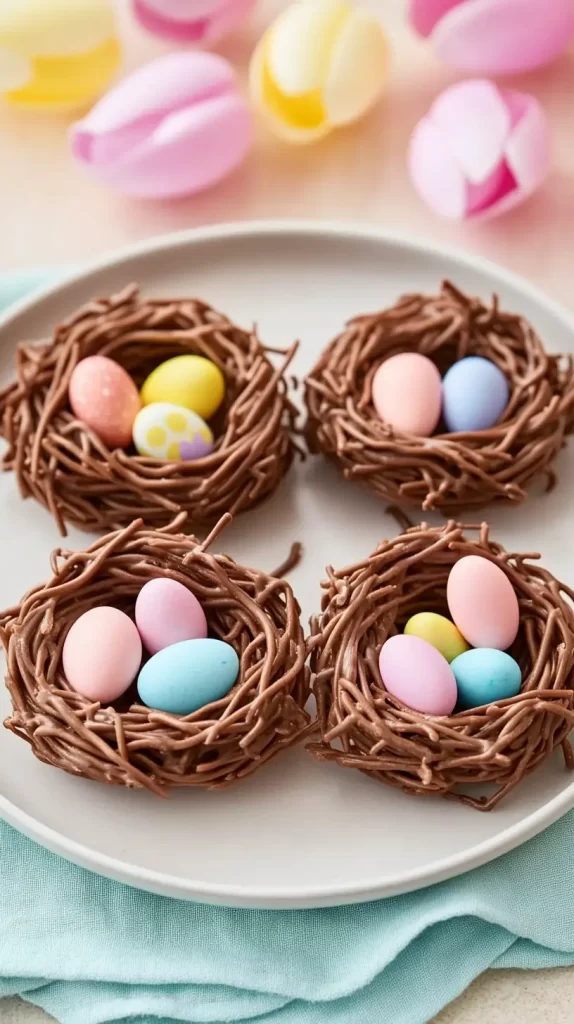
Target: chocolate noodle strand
(362,726)
(127,743)
(61,463)
(447,472)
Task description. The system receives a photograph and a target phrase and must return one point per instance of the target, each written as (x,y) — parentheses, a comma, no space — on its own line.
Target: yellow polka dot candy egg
(170,432)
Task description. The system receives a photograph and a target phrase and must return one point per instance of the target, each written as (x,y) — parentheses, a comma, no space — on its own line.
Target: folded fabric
(92,951)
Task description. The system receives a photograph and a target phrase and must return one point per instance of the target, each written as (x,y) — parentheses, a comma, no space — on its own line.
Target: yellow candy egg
(166,431)
(56,54)
(438,631)
(191,381)
(322,63)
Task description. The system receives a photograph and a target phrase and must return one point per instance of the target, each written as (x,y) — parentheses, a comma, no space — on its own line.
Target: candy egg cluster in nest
(391,705)
(377,405)
(108,419)
(217,650)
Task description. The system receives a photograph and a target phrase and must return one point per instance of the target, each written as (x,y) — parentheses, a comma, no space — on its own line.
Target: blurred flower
(322,63)
(480,150)
(172,127)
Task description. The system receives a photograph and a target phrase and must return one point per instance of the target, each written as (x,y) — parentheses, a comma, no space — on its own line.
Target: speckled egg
(482,602)
(171,432)
(406,392)
(167,613)
(475,394)
(484,675)
(186,676)
(104,397)
(417,674)
(438,631)
(191,381)
(102,654)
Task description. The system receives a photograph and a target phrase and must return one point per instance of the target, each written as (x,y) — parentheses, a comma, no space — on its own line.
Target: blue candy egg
(484,675)
(188,675)
(474,395)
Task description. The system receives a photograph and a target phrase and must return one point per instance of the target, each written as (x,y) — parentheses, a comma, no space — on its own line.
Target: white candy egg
(163,430)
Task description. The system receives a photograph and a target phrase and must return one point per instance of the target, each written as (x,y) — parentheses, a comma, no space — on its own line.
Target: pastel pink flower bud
(479,151)
(174,126)
(494,37)
(191,21)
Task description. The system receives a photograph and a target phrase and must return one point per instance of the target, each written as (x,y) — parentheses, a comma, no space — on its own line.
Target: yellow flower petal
(68,82)
(298,119)
(358,69)
(15,70)
(63,27)
(300,44)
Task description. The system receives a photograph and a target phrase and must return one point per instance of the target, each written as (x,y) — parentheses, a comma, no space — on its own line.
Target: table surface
(50,213)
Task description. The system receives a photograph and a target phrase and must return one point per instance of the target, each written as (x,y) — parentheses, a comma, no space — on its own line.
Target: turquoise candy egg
(188,675)
(484,675)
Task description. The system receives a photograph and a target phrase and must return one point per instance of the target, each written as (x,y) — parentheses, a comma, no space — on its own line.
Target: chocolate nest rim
(362,726)
(446,472)
(63,464)
(128,743)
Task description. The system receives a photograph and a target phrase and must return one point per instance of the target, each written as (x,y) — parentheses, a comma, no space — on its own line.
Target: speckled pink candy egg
(406,393)
(418,675)
(102,654)
(104,397)
(167,613)
(483,603)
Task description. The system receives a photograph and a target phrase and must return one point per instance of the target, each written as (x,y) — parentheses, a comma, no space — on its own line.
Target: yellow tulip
(56,54)
(322,63)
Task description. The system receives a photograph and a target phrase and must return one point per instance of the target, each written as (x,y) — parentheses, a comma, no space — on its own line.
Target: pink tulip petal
(424,14)
(527,151)
(183,11)
(170,28)
(473,120)
(434,171)
(172,81)
(191,151)
(503,36)
(500,184)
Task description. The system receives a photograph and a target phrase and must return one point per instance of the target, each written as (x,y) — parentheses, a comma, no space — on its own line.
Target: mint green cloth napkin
(91,951)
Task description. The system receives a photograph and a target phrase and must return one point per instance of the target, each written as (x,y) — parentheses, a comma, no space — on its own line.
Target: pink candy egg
(479,151)
(482,603)
(166,613)
(102,654)
(105,398)
(170,128)
(406,393)
(494,37)
(417,674)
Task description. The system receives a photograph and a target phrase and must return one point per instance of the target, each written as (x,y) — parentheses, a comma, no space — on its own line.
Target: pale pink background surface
(51,213)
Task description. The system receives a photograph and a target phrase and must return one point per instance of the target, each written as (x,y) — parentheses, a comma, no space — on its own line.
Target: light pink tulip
(479,151)
(172,127)
(191,21)
(494,37)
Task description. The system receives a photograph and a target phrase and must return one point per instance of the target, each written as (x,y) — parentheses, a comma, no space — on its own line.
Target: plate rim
(233,895)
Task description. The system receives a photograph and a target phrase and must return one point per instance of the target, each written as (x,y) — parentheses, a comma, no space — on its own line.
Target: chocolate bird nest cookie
(447,472)
(127,743)
(64,465)
(494,746)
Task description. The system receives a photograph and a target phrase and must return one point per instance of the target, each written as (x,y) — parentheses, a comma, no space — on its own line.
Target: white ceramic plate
(298,834)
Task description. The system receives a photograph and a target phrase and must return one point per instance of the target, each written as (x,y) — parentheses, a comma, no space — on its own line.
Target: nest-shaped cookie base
(495,746)
(129,744)
(61,463)
(446,472)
